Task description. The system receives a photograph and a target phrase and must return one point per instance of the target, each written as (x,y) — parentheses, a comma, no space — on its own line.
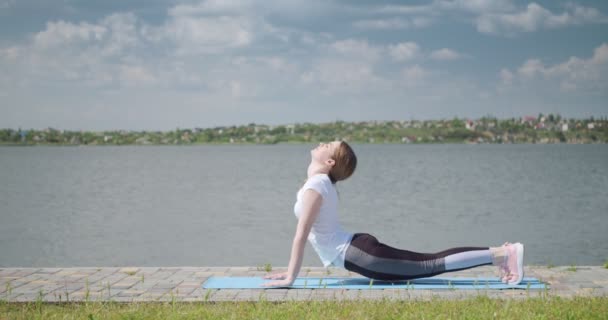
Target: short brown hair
(345,163)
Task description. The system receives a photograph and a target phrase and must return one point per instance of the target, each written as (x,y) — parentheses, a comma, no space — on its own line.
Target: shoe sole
(519,248)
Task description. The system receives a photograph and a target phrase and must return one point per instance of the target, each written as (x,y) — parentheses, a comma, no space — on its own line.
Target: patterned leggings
(370,258)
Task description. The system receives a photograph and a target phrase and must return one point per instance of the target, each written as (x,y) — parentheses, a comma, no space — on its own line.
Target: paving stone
(167,285)
(224,295)
(190,283)
(11,296)
(217,269)
(146,297)
(249,295)
(204,295)
(147,270)
(210,273)
(24,298)
(184,284)
(159,291)
(143,286)
(130,293)
(124,284)
(298,295)
(184,291)
(6,272)
(193,300)
(160,275)
(274,294)
(48,270)
(28,289)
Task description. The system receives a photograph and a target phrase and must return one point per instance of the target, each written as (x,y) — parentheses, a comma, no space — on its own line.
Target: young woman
(316,209)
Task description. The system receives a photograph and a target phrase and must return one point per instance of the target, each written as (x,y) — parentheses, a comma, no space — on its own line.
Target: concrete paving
(147,284)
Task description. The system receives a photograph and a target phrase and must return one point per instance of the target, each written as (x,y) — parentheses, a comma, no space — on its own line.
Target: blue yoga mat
(365,283)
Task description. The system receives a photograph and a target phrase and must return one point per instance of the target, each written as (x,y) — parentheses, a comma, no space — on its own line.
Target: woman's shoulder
(320,178)
(319,182)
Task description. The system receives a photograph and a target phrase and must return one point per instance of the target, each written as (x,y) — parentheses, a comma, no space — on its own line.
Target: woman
(316,210)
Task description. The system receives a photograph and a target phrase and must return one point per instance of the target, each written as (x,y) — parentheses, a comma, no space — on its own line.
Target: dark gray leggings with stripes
(370,258)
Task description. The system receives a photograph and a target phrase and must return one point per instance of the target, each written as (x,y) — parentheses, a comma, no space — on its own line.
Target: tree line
(530,129)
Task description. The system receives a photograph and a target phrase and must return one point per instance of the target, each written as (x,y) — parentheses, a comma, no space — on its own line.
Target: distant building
(470,125)
(590,125)
(564,127)
(529,120)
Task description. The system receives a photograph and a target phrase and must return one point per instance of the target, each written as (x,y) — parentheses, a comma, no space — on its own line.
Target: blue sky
(163,64)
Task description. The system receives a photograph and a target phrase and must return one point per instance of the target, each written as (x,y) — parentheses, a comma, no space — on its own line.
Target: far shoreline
(236,144)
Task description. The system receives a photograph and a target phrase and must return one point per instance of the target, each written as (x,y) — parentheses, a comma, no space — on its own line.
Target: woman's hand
(311,205)
(276,276)
(282,278)
(279,283)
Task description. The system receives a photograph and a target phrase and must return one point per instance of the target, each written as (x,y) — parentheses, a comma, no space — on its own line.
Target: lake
(227,205)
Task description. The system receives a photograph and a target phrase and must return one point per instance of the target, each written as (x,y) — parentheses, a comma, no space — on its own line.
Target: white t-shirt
(326,236)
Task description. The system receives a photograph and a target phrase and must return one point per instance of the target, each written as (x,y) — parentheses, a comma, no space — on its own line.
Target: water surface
(233,205)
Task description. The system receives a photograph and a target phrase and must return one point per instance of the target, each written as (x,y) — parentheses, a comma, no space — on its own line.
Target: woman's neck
(314,169)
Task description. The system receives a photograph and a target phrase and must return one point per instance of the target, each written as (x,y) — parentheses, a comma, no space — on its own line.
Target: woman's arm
(311,204)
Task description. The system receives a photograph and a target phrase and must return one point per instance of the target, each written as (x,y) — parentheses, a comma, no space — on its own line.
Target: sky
(167,64)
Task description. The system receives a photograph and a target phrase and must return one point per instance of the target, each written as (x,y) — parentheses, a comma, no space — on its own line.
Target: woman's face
(324,152)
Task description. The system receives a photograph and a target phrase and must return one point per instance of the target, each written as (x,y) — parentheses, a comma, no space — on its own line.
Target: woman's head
(337,157)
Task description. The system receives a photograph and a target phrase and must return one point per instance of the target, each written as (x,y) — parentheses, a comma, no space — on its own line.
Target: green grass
(606,264)
(265,267)
(480,307)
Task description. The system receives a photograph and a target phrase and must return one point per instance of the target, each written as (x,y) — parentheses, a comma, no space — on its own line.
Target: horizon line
(591,117)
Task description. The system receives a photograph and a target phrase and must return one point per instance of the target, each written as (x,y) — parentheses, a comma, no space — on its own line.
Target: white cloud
(10,53)
(342,76)
(221,7)
(356,49)
(278,64)
(438,7)
(382,24)
(392,23)
(111,36)
(201,35)
(573,74)
(531,68)
(506,76)
(415,75)
(237,54)
(235,89)
(122,31)
(476,6)
(422,22)
(535,17)
(501,17)
(405,9)
(214,26)
(404,51)
(61,33)
(600,55)
(95,54)
(136,76)
(5,4)
(445,54)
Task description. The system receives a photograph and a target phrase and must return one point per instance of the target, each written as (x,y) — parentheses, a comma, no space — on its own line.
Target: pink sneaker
(503,269)
(514,264)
